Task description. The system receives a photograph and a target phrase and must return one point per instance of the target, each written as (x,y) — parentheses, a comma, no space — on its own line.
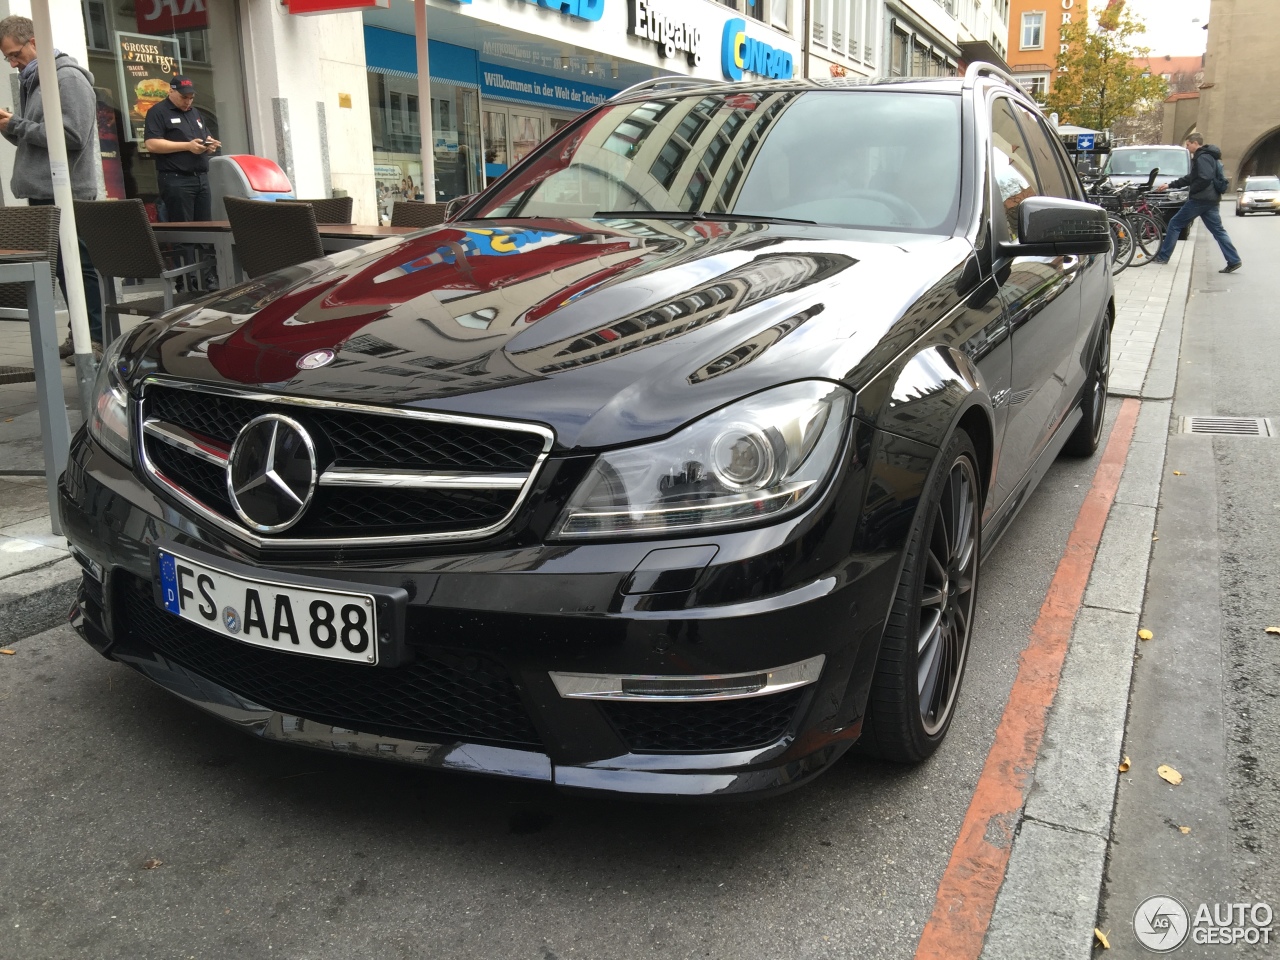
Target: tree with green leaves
(1101,82)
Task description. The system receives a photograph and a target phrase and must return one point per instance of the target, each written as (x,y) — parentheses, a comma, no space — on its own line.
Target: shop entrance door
(512,132)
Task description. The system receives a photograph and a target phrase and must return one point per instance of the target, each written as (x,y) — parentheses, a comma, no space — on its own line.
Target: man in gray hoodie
(25,129)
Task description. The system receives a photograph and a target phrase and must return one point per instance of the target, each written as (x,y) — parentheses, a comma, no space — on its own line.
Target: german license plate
(305,620)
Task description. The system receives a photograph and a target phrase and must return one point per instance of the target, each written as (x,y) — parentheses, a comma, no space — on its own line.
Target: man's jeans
(186,198)
(92,292)
(1206,210)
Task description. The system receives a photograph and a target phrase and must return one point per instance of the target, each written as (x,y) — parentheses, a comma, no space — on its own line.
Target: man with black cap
(175,135)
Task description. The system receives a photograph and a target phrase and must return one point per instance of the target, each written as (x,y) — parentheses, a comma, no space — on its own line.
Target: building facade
(329,88)
(1238,108)
(1035,39)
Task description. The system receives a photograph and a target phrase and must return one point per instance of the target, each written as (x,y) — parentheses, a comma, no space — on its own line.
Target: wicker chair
(415,213)
(122,244)
(329,209)
(26,228)
(271,236)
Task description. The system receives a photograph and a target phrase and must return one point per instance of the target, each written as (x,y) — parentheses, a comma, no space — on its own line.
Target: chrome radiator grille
(378,475)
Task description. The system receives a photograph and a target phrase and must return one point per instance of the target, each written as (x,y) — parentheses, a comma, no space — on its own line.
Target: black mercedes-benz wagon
(665,467)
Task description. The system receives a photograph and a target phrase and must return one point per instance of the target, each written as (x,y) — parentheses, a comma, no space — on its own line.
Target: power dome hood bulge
(606,331)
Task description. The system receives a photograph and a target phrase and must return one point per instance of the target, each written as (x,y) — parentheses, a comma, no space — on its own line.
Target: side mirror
(456,206)
(1052,227)
(1240,189)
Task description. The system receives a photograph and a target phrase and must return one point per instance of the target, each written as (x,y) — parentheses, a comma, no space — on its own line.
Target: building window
(1037,85)
(846,27)
(779,14)
(820,22)
(1033,31)
(776,13)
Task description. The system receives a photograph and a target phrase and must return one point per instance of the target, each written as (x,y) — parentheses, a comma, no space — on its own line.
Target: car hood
(1137,180)
(606,331)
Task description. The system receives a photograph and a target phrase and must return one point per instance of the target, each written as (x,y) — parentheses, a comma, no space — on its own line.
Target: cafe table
(333,237)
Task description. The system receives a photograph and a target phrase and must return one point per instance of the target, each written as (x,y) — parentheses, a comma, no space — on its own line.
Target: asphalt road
(268,852)
(1206,692)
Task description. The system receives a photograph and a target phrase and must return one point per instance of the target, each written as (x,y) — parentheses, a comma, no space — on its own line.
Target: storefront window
(396,122)
(133,51)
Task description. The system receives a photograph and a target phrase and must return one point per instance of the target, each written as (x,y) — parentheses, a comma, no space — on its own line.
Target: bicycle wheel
(1122,244)
(1147,236)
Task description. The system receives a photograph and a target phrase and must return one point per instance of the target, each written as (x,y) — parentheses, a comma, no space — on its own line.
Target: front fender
(932,393)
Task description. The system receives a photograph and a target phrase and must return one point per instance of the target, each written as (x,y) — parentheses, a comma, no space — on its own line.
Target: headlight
(761,457)
(1178,196)
(109,421)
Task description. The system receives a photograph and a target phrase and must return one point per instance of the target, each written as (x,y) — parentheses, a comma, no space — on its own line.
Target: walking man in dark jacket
(26,130)
(1202,202)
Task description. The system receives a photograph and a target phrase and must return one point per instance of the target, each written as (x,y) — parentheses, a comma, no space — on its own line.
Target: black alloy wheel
(926,641)
(1087,436)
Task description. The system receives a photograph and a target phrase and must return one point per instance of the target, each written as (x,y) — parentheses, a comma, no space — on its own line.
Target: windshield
(1262,183)
(853,158)
(1171,162)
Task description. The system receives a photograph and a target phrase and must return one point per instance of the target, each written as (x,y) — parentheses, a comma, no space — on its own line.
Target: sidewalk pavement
(1048,902)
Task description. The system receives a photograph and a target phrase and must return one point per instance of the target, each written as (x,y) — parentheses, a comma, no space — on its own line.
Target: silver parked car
(1258,195)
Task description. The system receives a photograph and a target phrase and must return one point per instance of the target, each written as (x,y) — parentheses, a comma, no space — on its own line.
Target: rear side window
(1053,182)
(1011,162)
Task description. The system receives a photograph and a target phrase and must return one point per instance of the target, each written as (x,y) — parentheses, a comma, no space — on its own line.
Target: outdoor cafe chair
(329,209)
(271,236)
(26,228)
(122,245)
(415,213)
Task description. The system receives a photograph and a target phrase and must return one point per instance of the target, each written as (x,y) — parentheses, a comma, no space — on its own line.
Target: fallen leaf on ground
(1168,773)
(9,653)
(1184,829)
(151,863)
(1177,473)
(1273,629)
(1102,939)
(1145,634)
(1124,765)
(1155,536)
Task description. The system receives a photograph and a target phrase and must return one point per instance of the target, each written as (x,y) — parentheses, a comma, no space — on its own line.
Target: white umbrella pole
(47,69)
(424,103)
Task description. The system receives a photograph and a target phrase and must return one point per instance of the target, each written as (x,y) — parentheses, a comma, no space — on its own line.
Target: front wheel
(1086,437)
(1122,245)
(926,639)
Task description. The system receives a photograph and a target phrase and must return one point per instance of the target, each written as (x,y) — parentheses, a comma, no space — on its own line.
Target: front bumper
(485,630)
(1258,206)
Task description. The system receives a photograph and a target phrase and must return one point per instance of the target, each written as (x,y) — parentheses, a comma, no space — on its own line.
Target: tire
(1087,435)
(1239,213)
(1147,235)
(912,701)
(1122,245)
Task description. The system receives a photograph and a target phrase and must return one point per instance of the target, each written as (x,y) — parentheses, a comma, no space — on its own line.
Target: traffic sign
(1085,141)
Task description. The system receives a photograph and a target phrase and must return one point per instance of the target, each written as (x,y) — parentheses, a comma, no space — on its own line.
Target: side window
(1011,164)
(1053,181)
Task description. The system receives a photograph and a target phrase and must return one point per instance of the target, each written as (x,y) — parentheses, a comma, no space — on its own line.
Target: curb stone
(37,600)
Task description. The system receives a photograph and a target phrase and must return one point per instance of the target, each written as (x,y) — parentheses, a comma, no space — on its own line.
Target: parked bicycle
(1136,227)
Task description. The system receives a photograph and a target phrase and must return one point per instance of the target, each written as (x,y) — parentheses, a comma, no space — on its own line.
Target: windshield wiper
(693,215)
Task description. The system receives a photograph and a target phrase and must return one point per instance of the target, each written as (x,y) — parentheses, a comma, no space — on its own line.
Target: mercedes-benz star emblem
(271,475)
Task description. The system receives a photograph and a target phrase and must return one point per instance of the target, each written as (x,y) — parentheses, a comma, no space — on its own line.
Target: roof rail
(660,83)
(980,68)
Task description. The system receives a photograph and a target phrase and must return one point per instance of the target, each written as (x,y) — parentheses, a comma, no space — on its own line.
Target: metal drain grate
(1228,426)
